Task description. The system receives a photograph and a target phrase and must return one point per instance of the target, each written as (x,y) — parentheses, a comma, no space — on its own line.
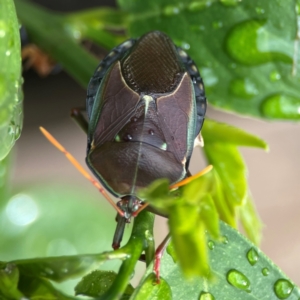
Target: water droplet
(275,76)
(259,10)
(252,43)
(8,53)
(238,280)
(150,131)
(206,296)
(184,45)
(171,10)
(127,138)
(197,6)
(265,271)
(283,288)
(2,29)
(252,256)
(217,24)
(210,77)
(230,2)
(211,245)
(49,271)
(225,240)
(281,106)
(243,88)
(17,132)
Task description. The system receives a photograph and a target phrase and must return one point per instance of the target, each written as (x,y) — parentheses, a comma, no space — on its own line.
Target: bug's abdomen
(127,167)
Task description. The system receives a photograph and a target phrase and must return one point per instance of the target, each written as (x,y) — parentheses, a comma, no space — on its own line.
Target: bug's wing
(176,113)
(117,105)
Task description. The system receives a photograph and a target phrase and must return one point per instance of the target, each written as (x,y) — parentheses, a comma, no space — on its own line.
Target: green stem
(143,225)
(50,32)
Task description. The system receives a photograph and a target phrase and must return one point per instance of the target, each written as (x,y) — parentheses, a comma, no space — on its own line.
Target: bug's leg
(158,255)
(118,236)
(77,115)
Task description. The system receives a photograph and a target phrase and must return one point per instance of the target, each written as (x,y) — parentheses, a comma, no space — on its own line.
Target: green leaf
(247,52)
(60,41)
(250,221)
(97,283)
(11,97)
(64,267)
(227,256)
(209,215)
(229,165)
(215,132)
(150,290)
(40,289)
(188,237)
(9,277)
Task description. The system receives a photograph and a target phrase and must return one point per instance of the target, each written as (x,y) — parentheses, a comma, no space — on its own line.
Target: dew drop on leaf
(206,296)
(225,240)
(211,245)
(238,280)
(217,24)
(243,88)
(49,271)
(197,6)
(211,78)
(283,288)
(275,76)
(259,10)
(3,29)
(252,43)
(171,10)
(230,2)
(281,106)
(252,256)
(265,271)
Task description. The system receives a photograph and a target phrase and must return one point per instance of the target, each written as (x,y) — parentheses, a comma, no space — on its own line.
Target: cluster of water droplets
(282,288)
(10,108)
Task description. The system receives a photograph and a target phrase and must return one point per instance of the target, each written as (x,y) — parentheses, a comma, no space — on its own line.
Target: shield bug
(145,106)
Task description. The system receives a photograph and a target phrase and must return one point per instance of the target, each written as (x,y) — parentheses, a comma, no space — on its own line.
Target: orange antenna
(78,166)
(178,184)
(191,178)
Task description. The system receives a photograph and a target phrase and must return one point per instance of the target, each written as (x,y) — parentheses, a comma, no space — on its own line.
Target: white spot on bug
(147,98)
(127,44)
(111,54)
(163,146)
(199,142)
(201,86)
(194,68)
(182,53)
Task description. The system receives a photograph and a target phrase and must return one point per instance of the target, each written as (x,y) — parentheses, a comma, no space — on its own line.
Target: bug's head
(129,204)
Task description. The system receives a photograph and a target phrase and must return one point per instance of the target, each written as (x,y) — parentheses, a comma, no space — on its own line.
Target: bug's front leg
(77,115)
